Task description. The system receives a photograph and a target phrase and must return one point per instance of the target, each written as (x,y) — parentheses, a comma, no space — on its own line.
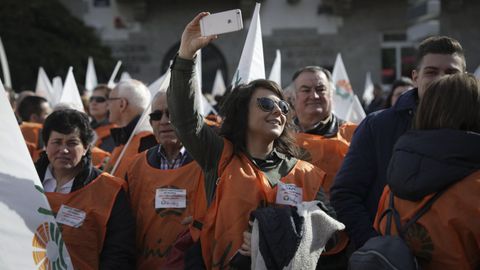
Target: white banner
(251,65)
(344,104)
(29,235)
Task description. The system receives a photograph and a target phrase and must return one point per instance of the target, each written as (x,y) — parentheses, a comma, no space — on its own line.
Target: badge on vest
(289,194)
(170,198)
(70,216)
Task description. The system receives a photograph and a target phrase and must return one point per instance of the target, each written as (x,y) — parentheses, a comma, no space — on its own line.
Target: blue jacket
(362,177)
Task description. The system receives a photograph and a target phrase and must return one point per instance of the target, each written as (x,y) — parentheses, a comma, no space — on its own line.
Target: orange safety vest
(325,153)
(242,188)
(85,243)
(157,229)
(448,235)
(128,156)
(103,132)
(346,131)
(99,156)
(31,132)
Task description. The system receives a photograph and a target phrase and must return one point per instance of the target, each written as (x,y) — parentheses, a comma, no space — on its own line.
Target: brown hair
(235,109)
(451,102)
(439,45)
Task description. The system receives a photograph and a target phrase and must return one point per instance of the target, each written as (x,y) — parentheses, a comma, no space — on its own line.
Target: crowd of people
(273,182)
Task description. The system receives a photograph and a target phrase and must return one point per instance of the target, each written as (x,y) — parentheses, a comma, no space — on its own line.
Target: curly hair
(235,110)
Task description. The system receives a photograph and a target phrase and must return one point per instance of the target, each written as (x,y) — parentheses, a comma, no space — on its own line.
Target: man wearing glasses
(126,104)
(166,190)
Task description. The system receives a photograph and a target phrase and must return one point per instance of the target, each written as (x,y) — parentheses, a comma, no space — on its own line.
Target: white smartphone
(222,22)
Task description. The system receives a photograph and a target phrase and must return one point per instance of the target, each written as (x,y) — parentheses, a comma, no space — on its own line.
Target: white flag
(477,72)
(57,89)
(276,72)
(355,113)
(44,87)
(70,94)
(218,88)
(368,92)
(125,76)
(251,65)
(111,81)
(30,237)
(90,77)
(343,96)
(5,68)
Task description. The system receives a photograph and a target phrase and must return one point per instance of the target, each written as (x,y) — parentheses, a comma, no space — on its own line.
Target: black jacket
(119,246)
(427,161)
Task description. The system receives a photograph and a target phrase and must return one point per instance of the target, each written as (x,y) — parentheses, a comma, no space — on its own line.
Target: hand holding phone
(220,23)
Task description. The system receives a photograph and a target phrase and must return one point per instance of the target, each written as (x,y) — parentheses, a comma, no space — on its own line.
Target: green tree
(44,33)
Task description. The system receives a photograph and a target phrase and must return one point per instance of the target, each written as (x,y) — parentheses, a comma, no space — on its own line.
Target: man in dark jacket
(362,177)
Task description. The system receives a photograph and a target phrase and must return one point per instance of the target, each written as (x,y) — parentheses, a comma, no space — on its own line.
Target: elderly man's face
(160,122)
(313,95)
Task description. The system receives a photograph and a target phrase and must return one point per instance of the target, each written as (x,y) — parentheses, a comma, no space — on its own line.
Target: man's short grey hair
(135,92)
(313,69)
(158,95)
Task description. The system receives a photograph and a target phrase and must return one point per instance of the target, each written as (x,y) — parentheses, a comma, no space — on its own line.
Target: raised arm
(200,140)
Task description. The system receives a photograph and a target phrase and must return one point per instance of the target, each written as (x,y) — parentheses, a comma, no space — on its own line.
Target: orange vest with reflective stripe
(85,243)
(157,229)
(448,235)
(128,156)
(103,132)
(346,131)
(99,156)
(242,188)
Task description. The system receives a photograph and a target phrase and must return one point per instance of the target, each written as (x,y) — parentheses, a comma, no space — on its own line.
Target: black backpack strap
(388,212)
(392,212)
(422,210)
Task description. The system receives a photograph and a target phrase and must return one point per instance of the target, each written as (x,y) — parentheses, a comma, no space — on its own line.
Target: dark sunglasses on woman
(98,99)
(158,114)
(267,104)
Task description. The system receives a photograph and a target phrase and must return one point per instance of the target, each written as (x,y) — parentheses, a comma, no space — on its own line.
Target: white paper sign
(289,194)
(170,198)
(70,216)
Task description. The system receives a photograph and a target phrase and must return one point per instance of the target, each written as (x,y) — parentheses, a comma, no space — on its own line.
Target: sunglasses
(158,114)
(98,99)
(268,105)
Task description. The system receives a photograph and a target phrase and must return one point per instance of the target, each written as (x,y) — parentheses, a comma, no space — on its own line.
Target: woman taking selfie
(91,207)
(246,165)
